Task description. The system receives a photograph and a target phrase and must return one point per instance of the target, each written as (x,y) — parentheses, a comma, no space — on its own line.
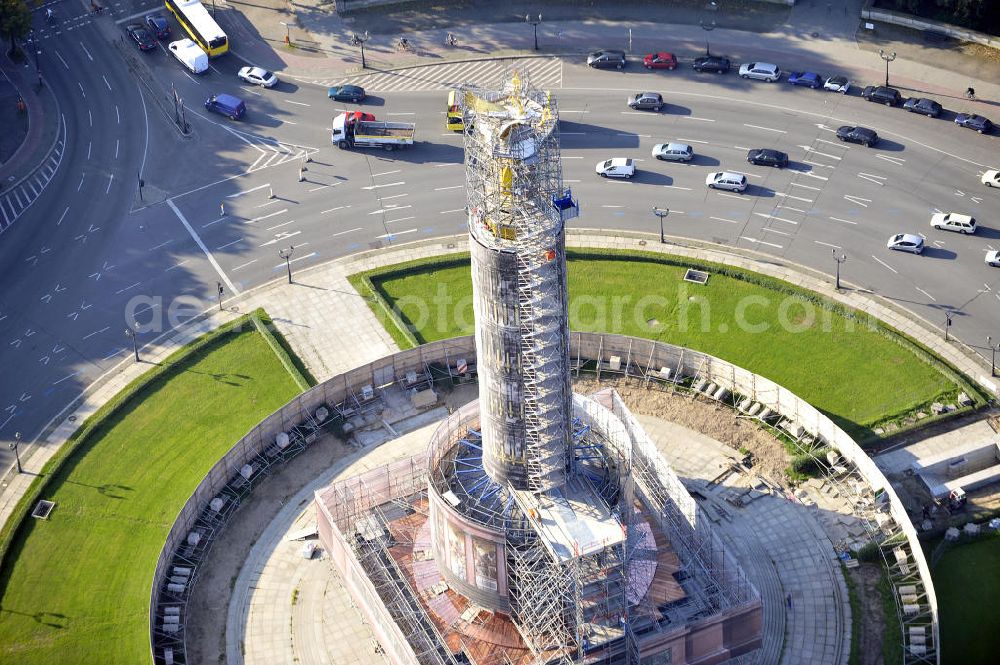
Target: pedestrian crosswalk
(18,198)
(544,73)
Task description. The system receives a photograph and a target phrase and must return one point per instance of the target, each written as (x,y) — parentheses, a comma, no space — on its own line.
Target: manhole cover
(696,276)
(815,35)
(42,509)
(72,419)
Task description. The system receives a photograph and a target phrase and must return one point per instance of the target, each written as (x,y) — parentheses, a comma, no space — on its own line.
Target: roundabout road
(116,259)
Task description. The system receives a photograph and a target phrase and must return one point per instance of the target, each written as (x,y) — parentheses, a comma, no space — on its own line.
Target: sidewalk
(41,122)
(332,329)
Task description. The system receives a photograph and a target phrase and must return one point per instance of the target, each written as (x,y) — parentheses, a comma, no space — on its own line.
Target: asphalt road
(90,257)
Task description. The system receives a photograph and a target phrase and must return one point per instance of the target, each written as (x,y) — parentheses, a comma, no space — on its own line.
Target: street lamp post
(534,24)
(286,254)
(359,40)
(661,213)
(707,22)
(13,446)
(888,57)
(288,31)
(130,333)
(839,258)
(993,354)
(947,324)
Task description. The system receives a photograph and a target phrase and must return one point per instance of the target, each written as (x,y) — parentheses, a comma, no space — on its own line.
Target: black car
(882,94)
(767,157)
(141,36)
(158,26)
(863,135)
(346,93)
(711,63)
(973,121)
(927,107)
(606,59)
(646,101)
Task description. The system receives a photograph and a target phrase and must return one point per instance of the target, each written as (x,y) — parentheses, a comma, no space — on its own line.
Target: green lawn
(967,582)
(856,372)
(77,587)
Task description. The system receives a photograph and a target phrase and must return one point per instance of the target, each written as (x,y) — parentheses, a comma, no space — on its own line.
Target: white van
(190,55)
(734,182)
(952,221)
(618,167)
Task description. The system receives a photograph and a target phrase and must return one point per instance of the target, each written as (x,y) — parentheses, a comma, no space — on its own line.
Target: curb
(48,153)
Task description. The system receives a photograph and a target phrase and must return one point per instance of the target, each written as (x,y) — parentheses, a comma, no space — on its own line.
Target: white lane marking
(925,293)
(766,215)
(741,147)
(82,91)
(394,196)
(82,176)
(813,175)
(388,209)
(86,51)
(244,265)
(96,332)
(388,184)
(212,223)
(976,199)
(445,212)
(894,160)
(789,196)
(857,200)
(790,208)
(447,164)
(301,103)
(90,144)
(686,189)
(645,136)
(397,233)
(817,152)
(441,189)
(815,189)
(247,191)
(376,175)
(197,239)
(117,145)
(826,244)
(766,129)
(334,209)
(825,166)
(611,206)
(230,244)
(162,244)
(836,143)
(61,60)
(118,116)
(278,226)
(723,219)
(845,221)
(760,242)
(885,264)
(735,196)
(263,217)
(130,286)
(870,177)
(340,233)
(690,141)
(62,216)
(401,219)
(111,179)
(959,192)
(90,117)
(694,117)
(105,80)
(316,189)
(301,258)
(772,230)
(284,235)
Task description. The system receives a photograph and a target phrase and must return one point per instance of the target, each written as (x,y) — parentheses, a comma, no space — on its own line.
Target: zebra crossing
(19,198)
(544,73)
(272,153)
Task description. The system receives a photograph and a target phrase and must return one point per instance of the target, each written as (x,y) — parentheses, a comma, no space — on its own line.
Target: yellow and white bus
(454,120)
(200,25)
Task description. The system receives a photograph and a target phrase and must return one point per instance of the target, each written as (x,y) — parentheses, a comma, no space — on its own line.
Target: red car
(659,61)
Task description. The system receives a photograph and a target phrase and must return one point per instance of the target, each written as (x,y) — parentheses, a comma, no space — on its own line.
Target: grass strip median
(75,588)
(849,365)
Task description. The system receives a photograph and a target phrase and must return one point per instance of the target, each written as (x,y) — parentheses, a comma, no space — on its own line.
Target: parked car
(993,258)
(711,63)
(660,60)
(617,167)
(258,76)
(906,242)
(767,157)
(158,26)
(953,221)
(673,152)
(346,93)
(839,84)
(927,107)
(734,182)
(973,121)
(882,95)
(761,71)
(227,105)
(141,36)
(991,178)
(646,101)
(807,79)
(863,135)
(606,59)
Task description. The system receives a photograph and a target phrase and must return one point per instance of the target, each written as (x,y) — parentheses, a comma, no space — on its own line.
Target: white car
(734,182)
(906,242)
(617,167)
(993,258)
(838,84)
(952,221)
(673,152)
(258,76)
(991,178)
(762,71)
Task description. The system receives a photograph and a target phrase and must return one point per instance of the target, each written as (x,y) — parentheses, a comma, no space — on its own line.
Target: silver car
(258,76)
(839,84)
(673,152)
(761,71)
(906,242)
(734,182)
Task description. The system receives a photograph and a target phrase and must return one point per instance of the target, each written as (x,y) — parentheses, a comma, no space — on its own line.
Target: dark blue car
(158,26)
(808,79)
(973,121)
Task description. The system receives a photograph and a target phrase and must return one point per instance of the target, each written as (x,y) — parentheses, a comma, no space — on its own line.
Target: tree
(15,21)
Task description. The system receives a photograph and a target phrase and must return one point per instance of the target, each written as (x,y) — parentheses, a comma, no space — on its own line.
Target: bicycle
(970,93)
(451,40)
(403,44)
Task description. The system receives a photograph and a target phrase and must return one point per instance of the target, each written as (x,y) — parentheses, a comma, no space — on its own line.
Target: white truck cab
(190,55)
